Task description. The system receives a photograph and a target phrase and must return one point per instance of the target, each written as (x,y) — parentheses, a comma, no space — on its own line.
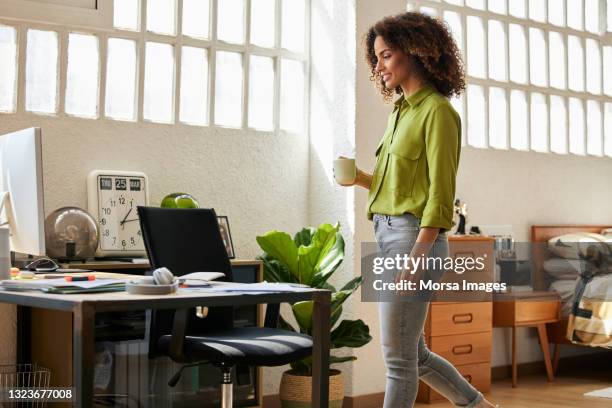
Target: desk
(84,307)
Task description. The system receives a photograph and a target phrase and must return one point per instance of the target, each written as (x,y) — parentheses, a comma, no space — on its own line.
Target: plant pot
(295,390)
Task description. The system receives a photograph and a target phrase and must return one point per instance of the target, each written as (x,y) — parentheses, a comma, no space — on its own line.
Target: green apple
(179,200)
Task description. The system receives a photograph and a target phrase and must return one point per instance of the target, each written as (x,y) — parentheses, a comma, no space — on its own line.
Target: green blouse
(417,160)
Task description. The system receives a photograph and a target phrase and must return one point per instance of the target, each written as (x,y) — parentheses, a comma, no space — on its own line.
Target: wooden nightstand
(527,309)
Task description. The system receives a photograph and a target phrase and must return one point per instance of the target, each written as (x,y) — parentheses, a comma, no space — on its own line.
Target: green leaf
(353,284)
(283,324)
(311,256)
(350,333)
(304,237)
(274,271)
(330,262)
(336,359)
(279,245)
(302,367)
(303,315)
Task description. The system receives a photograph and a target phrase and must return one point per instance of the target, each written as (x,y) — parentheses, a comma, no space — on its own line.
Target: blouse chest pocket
(404,157)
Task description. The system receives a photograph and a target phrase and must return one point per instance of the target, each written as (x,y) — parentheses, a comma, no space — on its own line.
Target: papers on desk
(263,287)
(60,285)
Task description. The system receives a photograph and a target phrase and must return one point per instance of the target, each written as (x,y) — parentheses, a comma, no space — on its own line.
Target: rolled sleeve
(442,144)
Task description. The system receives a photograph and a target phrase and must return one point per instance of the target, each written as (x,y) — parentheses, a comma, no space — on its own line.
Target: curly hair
(431,49)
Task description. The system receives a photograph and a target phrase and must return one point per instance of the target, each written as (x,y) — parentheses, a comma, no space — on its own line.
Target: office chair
(188,240)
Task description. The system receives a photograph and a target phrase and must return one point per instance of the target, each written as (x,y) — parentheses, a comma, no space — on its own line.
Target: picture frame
(224,229)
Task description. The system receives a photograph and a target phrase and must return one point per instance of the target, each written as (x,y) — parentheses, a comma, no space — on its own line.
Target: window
(41,71)
(194,85)
(558,125)
(228,89)
(120,102)
(159,82)
(82,77)
(8,69)
(261,92)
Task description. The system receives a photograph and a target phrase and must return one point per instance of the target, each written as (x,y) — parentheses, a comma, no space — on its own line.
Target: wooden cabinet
(461,331)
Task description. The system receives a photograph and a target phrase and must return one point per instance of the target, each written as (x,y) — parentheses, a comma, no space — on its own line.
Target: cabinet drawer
(479,375)
(463,348)
(459,318)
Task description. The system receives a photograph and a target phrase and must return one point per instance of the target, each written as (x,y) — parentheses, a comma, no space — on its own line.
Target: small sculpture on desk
(461,212)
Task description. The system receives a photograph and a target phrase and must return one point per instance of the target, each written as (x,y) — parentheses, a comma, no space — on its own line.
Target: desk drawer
(534,310)
(464,348)
(459,318)
(479,375)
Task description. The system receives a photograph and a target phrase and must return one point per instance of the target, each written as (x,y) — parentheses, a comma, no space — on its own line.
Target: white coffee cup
(345,171)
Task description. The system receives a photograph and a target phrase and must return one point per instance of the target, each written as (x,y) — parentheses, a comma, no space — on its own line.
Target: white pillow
(607,233)
(561,268)
(573,246)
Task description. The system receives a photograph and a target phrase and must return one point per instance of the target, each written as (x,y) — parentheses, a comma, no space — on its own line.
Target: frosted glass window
(82,76)
(576,126)
(608,129)
(476,130)
(518,54)
(159,83)
(228,89)
(456,2)
(556,51)
(609,23)
(8,69)
(458,106)
(261,92)
(478,4)
(230,22)
(593,66)
(591,16)
(607,63)
(161,16)
(194,86)
(558,125)
(556,12)
(196,18)
(292,95)
(263,14)
(120,79)
(41,71)
(293,25)
(430,11)
(594,134)
(539,123)
(498,118)
(537,10)
(497,50)
(575,14)
(126,13)
(575,54)
(519,130)
(537,57)
(454,22)
(475,47)
(516,8)
(498,6)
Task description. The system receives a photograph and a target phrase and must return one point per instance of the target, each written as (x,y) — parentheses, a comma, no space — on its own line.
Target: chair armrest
(272,314)
(179,328)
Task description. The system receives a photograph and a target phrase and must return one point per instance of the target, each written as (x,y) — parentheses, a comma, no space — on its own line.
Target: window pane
(593,56)
(516,8)
(228,89)
(196,18)
(609,24)
(292,95)
(230,24)
(126,13)
(608,128)
(518,54)
(607,57)
(576,126)
(594,136)
(475,48)
(591,16)
(454,22)
(263,13)
(458,105)
(476,132)
(556,12)
(537,10)
(575,54)
(82,75)
(479,4)
(537,57)
(497,50)
(519,131)
(41,71)
(261,92)
(161,16)
(194,86)
(498,118)
(557,60)
(159,83)
(8,69)
(539,123)
(558,125)
(457,2)
(120,79)
(575,12)
(293,26)
(430,11)
(498,6)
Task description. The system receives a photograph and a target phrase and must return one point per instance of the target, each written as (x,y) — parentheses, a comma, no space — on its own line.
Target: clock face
(118,197)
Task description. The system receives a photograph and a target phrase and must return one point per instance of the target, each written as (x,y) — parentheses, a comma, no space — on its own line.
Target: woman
(412,189)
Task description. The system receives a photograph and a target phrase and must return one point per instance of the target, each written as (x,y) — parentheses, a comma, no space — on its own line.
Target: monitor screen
(21,186)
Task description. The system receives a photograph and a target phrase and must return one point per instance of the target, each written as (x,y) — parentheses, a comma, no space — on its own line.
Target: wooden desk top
(101,265)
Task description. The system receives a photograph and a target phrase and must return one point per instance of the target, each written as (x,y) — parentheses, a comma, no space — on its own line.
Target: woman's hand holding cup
(345,171)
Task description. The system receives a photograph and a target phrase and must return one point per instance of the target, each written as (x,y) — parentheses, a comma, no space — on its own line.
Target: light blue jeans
(407,357)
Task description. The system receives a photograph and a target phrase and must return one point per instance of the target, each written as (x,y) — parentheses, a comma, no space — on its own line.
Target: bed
(542,281)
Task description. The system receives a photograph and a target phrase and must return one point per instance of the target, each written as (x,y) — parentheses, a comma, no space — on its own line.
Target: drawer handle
(463,318)
(463,349)
(468,378)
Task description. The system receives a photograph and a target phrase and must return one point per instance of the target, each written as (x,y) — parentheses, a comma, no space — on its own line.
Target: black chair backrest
(184,241)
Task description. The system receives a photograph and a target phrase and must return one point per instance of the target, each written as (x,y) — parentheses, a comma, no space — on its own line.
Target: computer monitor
(21,190)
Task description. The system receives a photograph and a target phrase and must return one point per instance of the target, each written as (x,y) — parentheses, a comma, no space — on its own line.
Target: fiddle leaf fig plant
(311,257)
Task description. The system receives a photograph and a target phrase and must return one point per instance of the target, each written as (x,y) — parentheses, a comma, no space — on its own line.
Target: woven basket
(295,390)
